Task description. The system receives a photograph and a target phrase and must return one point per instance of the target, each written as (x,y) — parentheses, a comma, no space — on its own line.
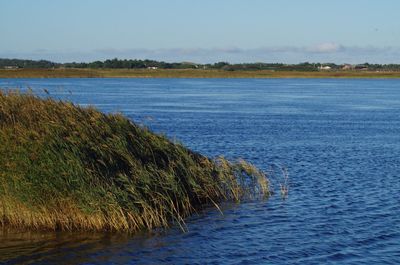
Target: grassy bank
(187,73)
(72,168)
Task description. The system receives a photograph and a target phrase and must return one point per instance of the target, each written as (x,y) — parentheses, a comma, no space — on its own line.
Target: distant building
(11,67)
(361,67)
(324,67)
(348,67)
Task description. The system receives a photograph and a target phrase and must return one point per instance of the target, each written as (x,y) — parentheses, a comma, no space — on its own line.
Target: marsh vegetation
(68,167)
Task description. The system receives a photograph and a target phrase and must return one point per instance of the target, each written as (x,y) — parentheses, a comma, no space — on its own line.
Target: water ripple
(339,139)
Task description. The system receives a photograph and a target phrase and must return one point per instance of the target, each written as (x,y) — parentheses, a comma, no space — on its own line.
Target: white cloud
(324,52)
(327,47)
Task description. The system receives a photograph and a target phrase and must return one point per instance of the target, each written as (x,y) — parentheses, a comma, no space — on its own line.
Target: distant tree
(220,65)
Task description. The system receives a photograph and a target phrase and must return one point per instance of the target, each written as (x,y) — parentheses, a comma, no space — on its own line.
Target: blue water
(339,139)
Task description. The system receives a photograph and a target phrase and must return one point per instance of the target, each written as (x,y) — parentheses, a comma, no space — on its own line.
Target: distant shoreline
(188,73)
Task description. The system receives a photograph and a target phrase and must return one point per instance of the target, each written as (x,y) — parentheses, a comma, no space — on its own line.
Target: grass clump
(67,167)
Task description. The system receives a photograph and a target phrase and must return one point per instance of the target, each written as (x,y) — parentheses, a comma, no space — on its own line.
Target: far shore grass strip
(187,73)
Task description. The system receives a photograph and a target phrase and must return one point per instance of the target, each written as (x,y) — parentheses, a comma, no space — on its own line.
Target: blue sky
(289,31)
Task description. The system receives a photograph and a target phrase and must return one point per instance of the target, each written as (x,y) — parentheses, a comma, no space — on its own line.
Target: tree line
(143,64)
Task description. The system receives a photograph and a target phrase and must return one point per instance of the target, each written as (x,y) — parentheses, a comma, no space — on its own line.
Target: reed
(66,167)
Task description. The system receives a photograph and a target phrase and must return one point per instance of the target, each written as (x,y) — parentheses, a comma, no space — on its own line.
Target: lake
(338,138)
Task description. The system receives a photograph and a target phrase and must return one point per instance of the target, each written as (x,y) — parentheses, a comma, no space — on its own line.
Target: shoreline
(188,73)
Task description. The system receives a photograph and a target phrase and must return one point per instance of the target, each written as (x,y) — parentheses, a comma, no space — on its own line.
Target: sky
(202,31)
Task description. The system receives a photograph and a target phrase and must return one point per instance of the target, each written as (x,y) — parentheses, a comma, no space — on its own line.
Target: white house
(324,67)
(11,67)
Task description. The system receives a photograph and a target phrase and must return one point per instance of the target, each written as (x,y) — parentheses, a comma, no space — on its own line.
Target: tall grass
(67,167)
